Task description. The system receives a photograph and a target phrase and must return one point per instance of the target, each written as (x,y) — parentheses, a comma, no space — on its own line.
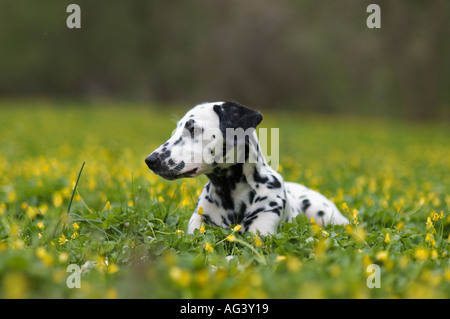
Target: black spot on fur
(179,167)
(274,183)
(208,220)
(224,182)
(320,213)
(275,210)
(258,178)
(178,141)
(305,204)
(258,199)
(209,199)
(163,156)
(251,196)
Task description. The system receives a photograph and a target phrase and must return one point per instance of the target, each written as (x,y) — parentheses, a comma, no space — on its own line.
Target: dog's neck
(225,177)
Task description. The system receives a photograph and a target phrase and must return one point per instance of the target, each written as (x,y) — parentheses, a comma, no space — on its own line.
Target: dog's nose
(151,160)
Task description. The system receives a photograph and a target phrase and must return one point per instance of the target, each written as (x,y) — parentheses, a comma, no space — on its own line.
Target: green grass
(391,179)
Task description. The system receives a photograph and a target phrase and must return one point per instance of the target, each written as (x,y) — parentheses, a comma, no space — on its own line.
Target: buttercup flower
(208,247)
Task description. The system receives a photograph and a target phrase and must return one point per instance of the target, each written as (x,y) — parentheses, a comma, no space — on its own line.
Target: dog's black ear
(234,115)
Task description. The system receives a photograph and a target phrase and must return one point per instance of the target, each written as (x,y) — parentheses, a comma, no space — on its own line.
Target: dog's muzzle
(160,167)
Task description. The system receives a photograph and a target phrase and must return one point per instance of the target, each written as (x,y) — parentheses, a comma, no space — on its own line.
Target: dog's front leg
(266,223)
(194,222)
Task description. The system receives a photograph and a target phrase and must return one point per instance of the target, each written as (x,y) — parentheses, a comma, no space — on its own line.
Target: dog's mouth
(170,175)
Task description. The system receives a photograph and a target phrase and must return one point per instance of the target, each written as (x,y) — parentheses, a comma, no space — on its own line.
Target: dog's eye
(193,131)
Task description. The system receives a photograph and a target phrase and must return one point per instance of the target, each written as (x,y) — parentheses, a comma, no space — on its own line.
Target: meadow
(126,226)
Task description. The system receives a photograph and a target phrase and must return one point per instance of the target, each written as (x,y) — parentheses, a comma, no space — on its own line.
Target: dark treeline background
(313,56)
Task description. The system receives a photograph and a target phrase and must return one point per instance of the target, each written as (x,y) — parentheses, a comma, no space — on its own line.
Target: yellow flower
(382,255)
(2,208)
(107,205)
(315,228)
(102,263)
(237,228)
(63,257)
(15,286)
(429,223)
(12,196)
(75,226)
(344,207)
(403,262)
(74,235)
(293,264)
(360,234)
(428,237)
(18,244)
(349,229)
(180,276)
(434,254)
(447,274)
(281,258)
(179,232)
(421,254)
(258,241)
(202,277)
(57,199)
(202,229)
(312,220)
(200,210)
(44,256)
(113,268)
(355,216)
(40,225)
(366,260)
(231,238)
(14,230)
(111,293)
(435,216)
(62,239)
(208,247)
(324,233)
(387,238)
(185,202)
(31,212)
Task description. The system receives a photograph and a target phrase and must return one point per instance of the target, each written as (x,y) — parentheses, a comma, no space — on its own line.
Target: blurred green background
(311,56)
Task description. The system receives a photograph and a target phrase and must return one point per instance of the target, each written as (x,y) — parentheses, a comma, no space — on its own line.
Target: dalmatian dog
(242,189)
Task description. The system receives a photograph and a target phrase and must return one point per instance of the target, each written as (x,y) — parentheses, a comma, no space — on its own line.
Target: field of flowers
(126,226)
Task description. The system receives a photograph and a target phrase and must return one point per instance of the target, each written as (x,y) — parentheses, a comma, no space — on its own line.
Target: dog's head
(199,143)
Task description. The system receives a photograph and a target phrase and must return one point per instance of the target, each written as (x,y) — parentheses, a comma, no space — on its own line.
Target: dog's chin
(170,175)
